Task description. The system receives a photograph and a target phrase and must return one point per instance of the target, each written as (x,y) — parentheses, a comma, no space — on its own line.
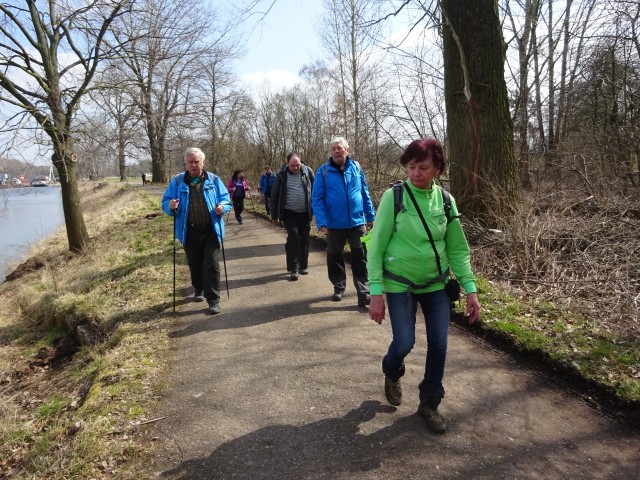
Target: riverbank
(86,345)
(83,342)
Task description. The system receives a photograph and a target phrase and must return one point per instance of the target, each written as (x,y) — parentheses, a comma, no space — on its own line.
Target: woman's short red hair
(425,149)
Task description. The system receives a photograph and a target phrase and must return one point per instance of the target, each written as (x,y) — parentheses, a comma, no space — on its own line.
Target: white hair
(340,140)
(195,151)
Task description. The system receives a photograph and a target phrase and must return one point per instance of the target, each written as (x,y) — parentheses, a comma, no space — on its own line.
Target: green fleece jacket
(407,251)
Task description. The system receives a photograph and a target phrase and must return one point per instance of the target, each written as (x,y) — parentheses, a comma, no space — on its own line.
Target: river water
(26,216)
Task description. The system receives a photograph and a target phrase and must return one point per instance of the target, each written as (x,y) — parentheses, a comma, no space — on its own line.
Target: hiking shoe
(294,276)
(393,391)
(304,271)
(435,422)
(214,308)
(337,296)
(199,296)
(364,302)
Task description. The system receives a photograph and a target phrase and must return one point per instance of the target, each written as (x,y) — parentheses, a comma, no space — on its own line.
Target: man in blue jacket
(343,210)
(199,200)
(266,182)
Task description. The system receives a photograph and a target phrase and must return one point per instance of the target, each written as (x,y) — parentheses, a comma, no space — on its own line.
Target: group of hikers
(412,248)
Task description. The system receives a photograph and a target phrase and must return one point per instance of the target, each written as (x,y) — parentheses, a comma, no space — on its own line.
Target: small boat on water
(39,183)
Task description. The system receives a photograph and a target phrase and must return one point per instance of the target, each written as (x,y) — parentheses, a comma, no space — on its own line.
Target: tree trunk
(484,170)
(524,55)
(537,85)
(66,164)
(551,66)
(122,132)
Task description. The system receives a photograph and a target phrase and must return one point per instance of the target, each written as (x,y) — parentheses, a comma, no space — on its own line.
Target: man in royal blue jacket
(266,183)
(343,210)
(199,200)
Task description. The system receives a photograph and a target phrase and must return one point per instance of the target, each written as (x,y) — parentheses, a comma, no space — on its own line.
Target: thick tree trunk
(484,170)
(66,164)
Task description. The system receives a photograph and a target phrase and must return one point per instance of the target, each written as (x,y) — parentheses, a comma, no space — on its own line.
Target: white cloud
(274,79)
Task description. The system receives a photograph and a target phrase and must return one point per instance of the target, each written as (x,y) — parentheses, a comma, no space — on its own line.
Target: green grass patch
(52,408)
(602,356)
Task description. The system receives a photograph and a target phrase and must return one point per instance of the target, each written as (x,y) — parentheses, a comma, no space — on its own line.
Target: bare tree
(214,94)
(116,99)
(418,100)
(320,122)
(48,57)
(522,32)
(350,40)
(161,46)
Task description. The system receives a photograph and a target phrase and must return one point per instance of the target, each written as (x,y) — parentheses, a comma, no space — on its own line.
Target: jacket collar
(188,177)
(333,165)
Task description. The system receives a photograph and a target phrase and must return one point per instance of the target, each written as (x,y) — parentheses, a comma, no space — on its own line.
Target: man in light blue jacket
(199,199)
(343,210)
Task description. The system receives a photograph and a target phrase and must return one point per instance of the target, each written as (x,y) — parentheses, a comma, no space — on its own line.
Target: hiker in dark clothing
(291,206)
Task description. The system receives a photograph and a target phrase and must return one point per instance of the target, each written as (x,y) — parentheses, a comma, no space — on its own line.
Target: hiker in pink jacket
(238,190)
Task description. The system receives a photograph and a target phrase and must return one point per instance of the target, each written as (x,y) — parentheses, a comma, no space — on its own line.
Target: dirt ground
(286,384)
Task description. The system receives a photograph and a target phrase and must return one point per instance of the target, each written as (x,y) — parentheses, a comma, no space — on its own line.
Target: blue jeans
(436,307)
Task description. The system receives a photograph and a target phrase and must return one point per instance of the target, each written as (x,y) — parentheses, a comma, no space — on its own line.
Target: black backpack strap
(446,203)
(398,205)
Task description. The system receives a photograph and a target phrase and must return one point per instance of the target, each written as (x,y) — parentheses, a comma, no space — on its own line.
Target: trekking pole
(174,262)
(253,205)
(224,258)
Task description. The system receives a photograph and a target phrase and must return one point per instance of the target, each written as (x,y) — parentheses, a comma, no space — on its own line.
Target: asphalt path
(286,384)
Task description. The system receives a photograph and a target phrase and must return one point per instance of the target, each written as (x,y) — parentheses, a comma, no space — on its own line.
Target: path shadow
(266,250)
(328,448)
(250,282)
(251,317)
(334,448)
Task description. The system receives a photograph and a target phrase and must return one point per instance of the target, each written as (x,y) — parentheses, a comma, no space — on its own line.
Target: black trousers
(267,203)
(238,207)
(203,255)
(298,225)
(336,239)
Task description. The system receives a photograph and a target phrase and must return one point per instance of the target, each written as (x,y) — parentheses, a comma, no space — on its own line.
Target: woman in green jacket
(402,262)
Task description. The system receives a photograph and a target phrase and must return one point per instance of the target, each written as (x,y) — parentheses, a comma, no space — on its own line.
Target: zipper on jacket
(346,194)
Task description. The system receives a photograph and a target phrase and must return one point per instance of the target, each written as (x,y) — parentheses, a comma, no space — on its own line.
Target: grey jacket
(279,191)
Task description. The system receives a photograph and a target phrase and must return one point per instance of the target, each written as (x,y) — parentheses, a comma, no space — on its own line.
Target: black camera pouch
(453,289)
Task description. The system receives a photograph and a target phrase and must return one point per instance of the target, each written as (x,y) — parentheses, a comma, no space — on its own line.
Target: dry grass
(580,252)
(82,343)
(564,280)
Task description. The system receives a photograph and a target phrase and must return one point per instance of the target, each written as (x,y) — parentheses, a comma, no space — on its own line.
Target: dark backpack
(398,206)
